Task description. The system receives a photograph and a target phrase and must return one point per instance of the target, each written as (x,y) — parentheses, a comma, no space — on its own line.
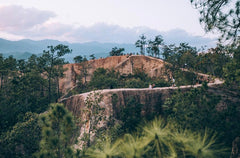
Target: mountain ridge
(19,48)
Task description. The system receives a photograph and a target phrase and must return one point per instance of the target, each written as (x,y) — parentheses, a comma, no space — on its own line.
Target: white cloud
(32,23)
(16,18)
(104,33)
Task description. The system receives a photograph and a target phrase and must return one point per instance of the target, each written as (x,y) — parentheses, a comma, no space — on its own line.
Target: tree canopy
(141,44)
(220,15)
(116,51)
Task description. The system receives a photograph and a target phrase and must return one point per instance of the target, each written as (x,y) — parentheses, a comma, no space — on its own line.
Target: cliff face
(145,96)
(152,100)
(124,64)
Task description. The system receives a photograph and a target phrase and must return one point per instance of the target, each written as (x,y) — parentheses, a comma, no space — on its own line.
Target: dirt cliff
(151,99)
(124,64)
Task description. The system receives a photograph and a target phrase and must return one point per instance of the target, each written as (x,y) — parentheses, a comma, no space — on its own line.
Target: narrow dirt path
(217,81)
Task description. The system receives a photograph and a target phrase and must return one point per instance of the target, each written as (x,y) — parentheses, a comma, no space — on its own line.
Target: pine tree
(57,133)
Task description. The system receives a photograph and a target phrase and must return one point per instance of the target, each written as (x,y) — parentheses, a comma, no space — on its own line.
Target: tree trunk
(49,90)
(58,91)
(236,148)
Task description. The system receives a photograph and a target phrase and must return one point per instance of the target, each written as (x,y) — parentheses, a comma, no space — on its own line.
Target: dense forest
(188,124)
(29,87)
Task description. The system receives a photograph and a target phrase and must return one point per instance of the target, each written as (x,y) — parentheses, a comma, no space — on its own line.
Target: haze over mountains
(23,49)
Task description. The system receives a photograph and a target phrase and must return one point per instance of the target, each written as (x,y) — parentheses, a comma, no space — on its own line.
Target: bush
(135,83)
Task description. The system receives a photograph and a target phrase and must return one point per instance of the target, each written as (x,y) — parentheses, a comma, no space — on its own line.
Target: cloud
(16,18)
(177,36)
(51,30)
(106,33)
(36,24)
(113,33)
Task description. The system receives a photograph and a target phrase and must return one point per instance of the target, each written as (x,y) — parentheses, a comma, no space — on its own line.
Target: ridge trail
(217,81)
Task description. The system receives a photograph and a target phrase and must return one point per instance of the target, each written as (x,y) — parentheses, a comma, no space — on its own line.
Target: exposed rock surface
(150,98)
(124,64)
(144,95)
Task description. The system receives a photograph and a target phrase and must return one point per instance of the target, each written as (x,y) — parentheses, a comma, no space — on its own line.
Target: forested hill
(23,49)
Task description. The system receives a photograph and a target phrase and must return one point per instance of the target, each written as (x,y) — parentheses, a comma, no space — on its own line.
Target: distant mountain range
(23,49)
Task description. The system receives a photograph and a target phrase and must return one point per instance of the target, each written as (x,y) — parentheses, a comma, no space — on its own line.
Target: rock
(124,64)
(151,99)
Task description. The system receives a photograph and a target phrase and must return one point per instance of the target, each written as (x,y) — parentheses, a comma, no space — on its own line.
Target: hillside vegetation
(208,115)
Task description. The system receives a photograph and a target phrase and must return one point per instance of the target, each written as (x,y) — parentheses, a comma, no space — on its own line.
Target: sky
(119,21)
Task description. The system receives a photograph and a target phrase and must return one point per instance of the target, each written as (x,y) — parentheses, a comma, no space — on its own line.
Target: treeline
(219,62)
(183,55)
(211,61)
(191,125)
(29,86)
(191,113)
(27,89)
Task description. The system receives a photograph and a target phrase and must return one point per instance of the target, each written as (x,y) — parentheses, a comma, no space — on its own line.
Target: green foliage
(114,104)
(159,139)
(182,56)
(157,135)
(116,51)
(85,65)
(51,63)
(141,44)
(159,82)
(196,110)
(135,83)
(199,144)
(193,109)
(24,84)
(94,113)
(232,68)
(137,73)
(78,59)
(8,67)
(103,78)
(212,62)
(104,149)
(220,15)
(132,146)
(23,139)
(153,46)
(109,79)
(57,133)
(92,56)
(23,92)
(25,88)
(184,78)
(130,114)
